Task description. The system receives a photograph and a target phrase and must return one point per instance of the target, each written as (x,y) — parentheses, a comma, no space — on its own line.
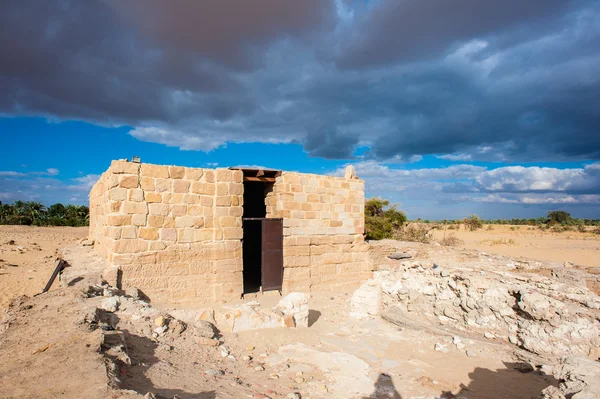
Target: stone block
(178,210)
(233,233)
(176,172)
(203,188)
(130,207)
(148,233)
(189,221)
(117,194)
(223,201)
(185,235)
(119,220)
(158,209)
(193,174)
(153,198)
(163,185)
(114,207)
(236,188)
(173,198)
(203,235)
(120,167)
(181,186)
(222,189)
(138,219)
(128,181)
(129,232)
(147,183)
(156,171)
(209,176)
(168,234)
(136,195)
(130,246)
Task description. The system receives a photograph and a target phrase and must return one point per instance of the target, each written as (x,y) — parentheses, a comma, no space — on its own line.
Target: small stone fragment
(293,395)
(159,321)
(206,341)
(299,380)
(250,348)
(110,304)
(399,255)
(259,368)
(214,372)
(471,353)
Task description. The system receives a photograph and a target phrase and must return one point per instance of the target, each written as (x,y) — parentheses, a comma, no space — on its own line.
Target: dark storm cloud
(127,62)
(464,79)
(408,30)
(226,31)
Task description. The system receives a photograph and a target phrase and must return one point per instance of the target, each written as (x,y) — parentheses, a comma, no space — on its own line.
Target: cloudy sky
(447,107)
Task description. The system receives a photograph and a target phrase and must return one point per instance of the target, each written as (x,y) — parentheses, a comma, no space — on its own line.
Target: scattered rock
(441,348)
(259,368)
(87,243)
(299,380)
(160,321)
(203,328)
(206,341)
(214,372)
(249,348)
(294,305)
(471,353)
(366,301)
(399,255)
(110,304)
(293,395)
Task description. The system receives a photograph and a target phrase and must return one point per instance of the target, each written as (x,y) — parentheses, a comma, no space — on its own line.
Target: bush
(382,220)
(473,223)
(414,232)
(559,217)
(451,240)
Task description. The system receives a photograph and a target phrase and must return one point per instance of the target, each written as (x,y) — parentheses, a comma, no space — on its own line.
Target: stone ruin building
(190,235)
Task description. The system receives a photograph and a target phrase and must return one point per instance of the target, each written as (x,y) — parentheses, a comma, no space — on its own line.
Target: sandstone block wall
(323,219)
(175,232)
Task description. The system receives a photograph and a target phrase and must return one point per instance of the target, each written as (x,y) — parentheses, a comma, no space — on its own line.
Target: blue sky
(446,108)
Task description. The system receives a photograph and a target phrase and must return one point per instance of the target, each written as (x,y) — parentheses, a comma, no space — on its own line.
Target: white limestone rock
(295,304)
(366,301)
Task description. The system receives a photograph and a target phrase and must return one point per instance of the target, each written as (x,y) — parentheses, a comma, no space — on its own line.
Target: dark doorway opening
(255,209)
(262,243)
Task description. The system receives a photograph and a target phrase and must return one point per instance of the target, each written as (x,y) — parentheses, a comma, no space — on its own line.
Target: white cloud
(11,173)
(52,171)
(427,190)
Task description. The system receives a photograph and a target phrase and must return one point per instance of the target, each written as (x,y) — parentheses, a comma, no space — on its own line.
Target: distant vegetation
(384,220)
(552,219)
(36,214)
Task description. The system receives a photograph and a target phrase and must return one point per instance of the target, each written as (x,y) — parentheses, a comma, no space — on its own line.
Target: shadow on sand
(517,380)
(142,350)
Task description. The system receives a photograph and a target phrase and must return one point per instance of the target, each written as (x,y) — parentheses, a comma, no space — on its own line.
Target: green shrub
(382,220)
(473,223)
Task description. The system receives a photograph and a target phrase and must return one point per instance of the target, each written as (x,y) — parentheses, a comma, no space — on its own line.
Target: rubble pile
(552,315)
(542,315)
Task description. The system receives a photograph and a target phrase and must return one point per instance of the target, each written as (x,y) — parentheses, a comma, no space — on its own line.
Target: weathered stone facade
(176,233)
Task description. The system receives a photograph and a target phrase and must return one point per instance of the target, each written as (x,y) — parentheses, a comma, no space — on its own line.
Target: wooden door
(272,254)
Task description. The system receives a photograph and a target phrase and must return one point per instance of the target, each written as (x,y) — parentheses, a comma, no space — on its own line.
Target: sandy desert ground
(426,355)
(28,257)
(531,243)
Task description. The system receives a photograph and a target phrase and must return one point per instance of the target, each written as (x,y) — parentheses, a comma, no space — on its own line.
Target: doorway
(262,243)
